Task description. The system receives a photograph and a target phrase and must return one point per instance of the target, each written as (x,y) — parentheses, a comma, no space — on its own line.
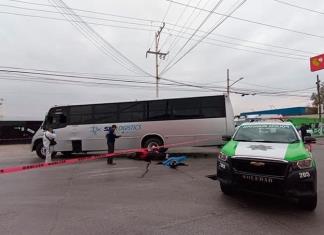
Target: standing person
(111,137)
(49,142)
(303,131)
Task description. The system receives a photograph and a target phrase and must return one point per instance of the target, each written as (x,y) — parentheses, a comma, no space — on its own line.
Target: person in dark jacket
(303,131)
(111,137)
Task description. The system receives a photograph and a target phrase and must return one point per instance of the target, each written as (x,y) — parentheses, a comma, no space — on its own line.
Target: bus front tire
(153,141)
(40,150)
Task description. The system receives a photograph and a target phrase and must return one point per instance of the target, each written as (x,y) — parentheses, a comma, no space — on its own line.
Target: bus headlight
(222,157)
(302,164)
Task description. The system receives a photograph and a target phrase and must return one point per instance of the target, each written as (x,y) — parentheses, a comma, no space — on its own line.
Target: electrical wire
(193,34)
(148,21)
(142,29)
(92,84)
(252,51)
(252,47)
(84,16)
(172,64)
(69,72)
(101,84)
(80,77)
(49,77)
(60,19)
(87,11)
(299,7)
(175,41)
(251,21)
(115,54)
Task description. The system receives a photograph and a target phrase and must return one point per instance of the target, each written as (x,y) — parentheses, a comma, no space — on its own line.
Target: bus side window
(132,112)
(158,110)
(185,108)
(214,109)
(81,114)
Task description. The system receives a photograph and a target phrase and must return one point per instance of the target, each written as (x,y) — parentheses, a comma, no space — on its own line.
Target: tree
(314,97)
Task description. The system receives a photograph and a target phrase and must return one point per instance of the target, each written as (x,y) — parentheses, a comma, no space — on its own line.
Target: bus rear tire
(40,150)
(153,141)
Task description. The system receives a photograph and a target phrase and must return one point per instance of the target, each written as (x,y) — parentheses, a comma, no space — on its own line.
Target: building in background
(295,115)
(293,111)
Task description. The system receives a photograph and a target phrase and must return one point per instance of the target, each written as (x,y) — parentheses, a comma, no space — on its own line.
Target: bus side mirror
(309,140)
(226,138)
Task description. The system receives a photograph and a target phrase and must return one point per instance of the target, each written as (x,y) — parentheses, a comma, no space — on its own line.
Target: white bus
(141,124)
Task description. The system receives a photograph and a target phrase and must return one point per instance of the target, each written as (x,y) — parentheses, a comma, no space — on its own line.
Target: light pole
(228,82)
(229,86)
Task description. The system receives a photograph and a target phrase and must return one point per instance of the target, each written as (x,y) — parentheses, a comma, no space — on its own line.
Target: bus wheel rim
(151,145)
(43,151)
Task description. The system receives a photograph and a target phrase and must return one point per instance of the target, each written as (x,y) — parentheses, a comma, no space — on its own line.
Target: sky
(271,55)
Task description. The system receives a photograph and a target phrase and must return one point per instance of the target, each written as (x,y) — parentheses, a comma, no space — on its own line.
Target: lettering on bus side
(126,128)
(129,128)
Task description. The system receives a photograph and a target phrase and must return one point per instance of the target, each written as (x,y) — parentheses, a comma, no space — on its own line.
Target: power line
(60,19)
(174,83)
(251,21)
(157,22)
(26,77)
(114,53)
(193,34)
(142,29)
(170,65)
(83,83)
(175,42)
(79,25)
(143,20)
(252,47)
(69,72)
(77,76)
(252,51)
(87,11)
(89,17)
(299,7)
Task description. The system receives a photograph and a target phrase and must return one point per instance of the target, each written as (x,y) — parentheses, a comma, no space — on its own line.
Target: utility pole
(318,83)
(158,55)
(228,85)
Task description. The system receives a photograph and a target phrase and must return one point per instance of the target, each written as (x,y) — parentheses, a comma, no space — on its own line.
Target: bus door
(57,119)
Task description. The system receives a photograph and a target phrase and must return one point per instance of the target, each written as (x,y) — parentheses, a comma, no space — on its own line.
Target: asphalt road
(93,198)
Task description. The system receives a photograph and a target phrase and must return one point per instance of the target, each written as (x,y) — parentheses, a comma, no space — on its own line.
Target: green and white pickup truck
(269,158)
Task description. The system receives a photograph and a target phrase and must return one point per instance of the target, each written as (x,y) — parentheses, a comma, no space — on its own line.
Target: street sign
(317,62)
